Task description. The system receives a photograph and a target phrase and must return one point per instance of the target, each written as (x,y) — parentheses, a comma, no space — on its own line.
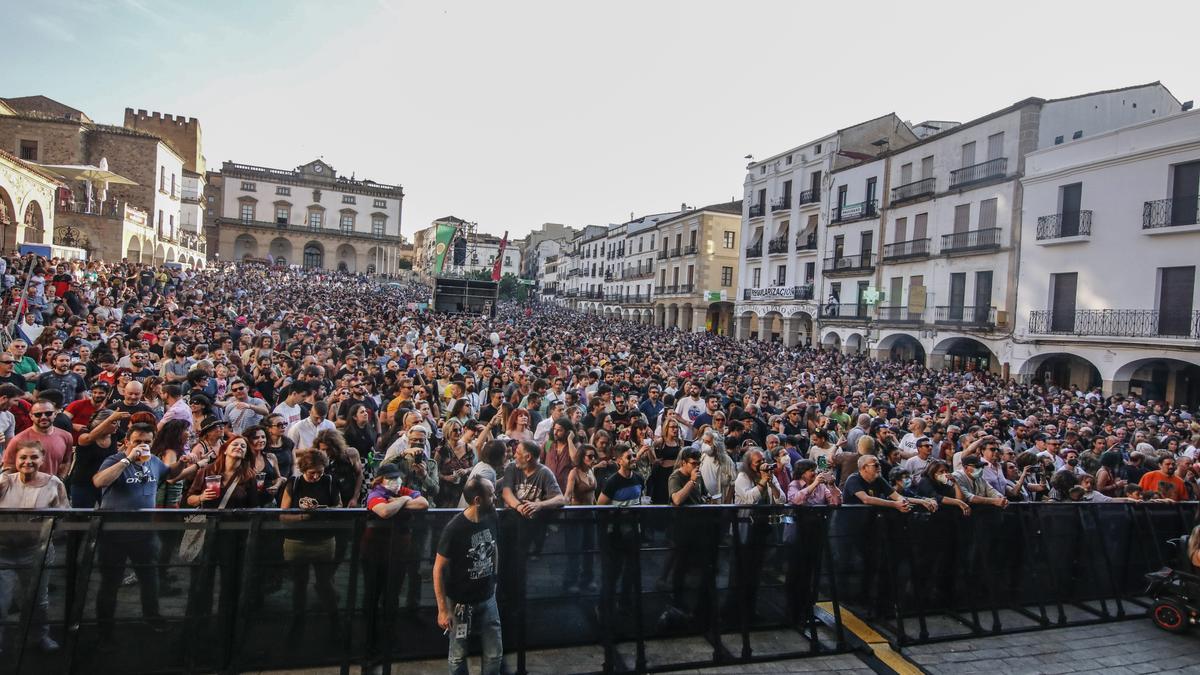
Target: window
(726,276)
(162,178)
(996,146)
(962,218)
(508,261)
(381,203)
(987,213)
(283,191)
(730,238)
(315,218)
(789,160)
(810,272)
(1077,135)
(347,222)
(692,239)
(927,167)
(212,199)
(818,148)
(247,212)
(762,170)
(282,213)
(29,150)
(1058,140)
(172,183)
(781,275)
(906,173)
(348,199)
(171,222)
(249,187)
(901,229)
(921,226)
(377,223)
(968,154)
(756,277)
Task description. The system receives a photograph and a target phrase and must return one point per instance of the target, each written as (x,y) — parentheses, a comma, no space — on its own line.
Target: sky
(513,114)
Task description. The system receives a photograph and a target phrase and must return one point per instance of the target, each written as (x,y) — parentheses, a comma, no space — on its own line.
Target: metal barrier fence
(639,589)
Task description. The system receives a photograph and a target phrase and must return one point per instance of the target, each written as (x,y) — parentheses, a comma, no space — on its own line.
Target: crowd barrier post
(87,562)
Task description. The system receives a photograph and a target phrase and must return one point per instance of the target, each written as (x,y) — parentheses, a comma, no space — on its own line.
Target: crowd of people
(125,386)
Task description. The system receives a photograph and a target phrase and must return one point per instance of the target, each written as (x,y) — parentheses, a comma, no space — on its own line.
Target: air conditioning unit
(844,263)
(1001,317)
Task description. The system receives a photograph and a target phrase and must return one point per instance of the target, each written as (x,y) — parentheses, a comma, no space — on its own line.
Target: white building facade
(1110,237)
(310,216)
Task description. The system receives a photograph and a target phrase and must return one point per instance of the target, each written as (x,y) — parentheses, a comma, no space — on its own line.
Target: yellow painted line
(878,644)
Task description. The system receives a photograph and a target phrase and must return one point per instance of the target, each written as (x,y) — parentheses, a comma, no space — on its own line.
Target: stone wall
(59,142)
(179,132)
(133,157)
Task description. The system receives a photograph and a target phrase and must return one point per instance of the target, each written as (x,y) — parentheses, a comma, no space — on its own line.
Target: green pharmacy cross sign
(870,295)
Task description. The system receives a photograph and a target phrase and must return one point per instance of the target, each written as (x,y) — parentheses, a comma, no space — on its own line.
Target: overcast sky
(513,114)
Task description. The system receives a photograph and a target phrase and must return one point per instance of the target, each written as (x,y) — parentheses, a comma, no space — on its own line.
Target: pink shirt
(57,445)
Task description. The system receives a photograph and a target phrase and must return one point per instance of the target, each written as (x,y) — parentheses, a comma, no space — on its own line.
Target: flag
(445,232)
(499,257)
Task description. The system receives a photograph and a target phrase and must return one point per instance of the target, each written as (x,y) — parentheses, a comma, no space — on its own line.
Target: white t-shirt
(290,413)
(689,408)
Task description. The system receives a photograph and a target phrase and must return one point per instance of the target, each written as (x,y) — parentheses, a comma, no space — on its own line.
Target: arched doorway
(772,327)
(687,318)
(8,218)
(718,319)
(35,232)
(1062,370)
(672,316)
(748,328)
(800,326)
(854,343)
(962,353)
(831,341)
(245,246)
(314,255)
(160,254)
(901,348)
(1161,379)
(347,258)
(134,252)
(281,250)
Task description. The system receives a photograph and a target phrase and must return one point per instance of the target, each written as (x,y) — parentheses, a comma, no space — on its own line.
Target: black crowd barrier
(638,589)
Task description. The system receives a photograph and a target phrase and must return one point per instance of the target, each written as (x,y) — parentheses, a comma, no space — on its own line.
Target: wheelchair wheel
(1169,616)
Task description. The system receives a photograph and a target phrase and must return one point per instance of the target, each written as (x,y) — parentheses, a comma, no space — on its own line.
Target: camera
(767,466)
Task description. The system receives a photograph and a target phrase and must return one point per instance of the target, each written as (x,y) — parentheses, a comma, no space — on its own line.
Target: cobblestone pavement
(1121,648)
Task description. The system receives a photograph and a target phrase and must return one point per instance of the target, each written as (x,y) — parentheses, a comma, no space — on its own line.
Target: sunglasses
(237,389)
(42,414)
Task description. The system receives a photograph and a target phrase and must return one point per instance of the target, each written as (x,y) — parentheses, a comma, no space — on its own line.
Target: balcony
(778,244)
(110,209)
(965,315)
(636,299)
(756,211)
(913,190)
(906,250)
(594,295)
(1118,323)
(802,292)
(754,251)
(662,255)
(806,242)
(690,249)
(1063,225)
(978,173)
(849,264)
(675,252)
(809,197)
(781,203)
(898,314)
(1171,212)
(686,288)
(848,212)
(844,311)
(974,240)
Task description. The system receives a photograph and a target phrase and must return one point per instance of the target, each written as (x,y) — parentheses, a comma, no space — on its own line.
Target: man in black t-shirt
(464,579)
(868,487)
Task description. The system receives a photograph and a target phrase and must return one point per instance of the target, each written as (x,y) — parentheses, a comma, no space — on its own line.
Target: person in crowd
(313,489)
(28,488)
(57,445)
(975,489)
(464,578)
(304,433)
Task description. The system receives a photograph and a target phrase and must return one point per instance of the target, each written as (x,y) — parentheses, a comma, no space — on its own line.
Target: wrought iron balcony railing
(1171,212)
(898,314)
(662,255)
(845,311)
(900,250)
(972,240)
(848,212)
(806,242)
(690,249)
(809,197)
(913,190)
(754,251)
(781,203)
(778,244)
(977,173)
(756,210)
(849,264)
(1065,224)
(970,315)
(1121,323)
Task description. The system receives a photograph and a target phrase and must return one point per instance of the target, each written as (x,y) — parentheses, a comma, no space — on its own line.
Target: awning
(86,172)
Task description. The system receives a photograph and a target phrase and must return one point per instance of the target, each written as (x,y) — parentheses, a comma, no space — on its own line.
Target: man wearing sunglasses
(57,445)
(243,410)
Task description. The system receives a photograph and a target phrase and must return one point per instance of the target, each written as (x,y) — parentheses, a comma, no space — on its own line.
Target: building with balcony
(950,229)
(141,218)
(309,216)
(696,285)
(1108,262)
(783,247)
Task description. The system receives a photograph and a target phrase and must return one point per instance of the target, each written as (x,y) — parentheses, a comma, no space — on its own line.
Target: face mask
(944,478)
(392,486)
(907,483)
(706,448)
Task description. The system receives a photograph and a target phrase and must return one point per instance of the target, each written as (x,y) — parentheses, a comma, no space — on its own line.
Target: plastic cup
(213,483)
